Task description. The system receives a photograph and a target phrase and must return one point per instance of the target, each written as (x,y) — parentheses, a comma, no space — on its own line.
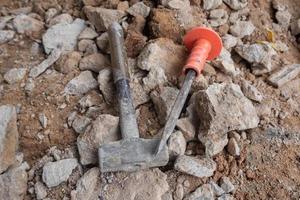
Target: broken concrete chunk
(106,85)
(102,18)
(104,129)
(259,55)
(139,95)
(9,136)
(50,13)
(239,15)
(14,75)
(80,123)
(139,8)
(54,173)
(213,144)
(203,192)
(88,186)
(102,42)
(40,190)
(94,62)
(229,41)
(176,144)
(242,28)
(28,26)
(43,66)
(163,101)
(284,75)
(225,63)
(13,183)
(87,46)
(218,17)
(295,27)
(226,185)
(63,35)
(233,147)
(211,4)
(203,167)
(68,62)
(218,191)
(179,4)
(6,36)
(187,128)
(155,77)
(88,33)
(283,18)
(63,18)
(251,92)
(226,197)
(81,84)
(236,4)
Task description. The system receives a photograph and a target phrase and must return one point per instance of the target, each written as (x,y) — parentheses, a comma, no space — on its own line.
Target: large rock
(81,84)
(203,167)
(28,26)
(63,35)
(102,18)
(54,173)
(13,183)
(104,129)
(6,35)
(145,184)
(88,186)
(8,136)
(203,192)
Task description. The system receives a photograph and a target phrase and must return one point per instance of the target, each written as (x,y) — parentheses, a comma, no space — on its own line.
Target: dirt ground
(269,166)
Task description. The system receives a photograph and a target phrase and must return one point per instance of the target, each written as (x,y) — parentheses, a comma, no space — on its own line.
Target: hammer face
(131,155)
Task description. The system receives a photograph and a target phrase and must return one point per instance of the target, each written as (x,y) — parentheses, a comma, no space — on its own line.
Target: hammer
(131,153)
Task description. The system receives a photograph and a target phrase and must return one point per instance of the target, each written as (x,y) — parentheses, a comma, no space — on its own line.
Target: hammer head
(131,154)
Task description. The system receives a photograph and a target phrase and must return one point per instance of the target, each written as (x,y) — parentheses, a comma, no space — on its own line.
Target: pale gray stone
(62,18)
(251,92)
(6,36)
(54,173)
(106,86)
(139,8)
(211,4)
(218,191)
(15,75)
(225,63)
(28,25)
(88,33)
(203,192)
(226,197)
(4,20)
(155,77)
(242,28)
(103,43)
(236,4)
(218,17)
(179,4)
(80,123)
(187,128)
(295,27)
(50,13)
(40,190)
(233,147)
(229,41)
(87,47)
(176,144)
(94,62)
(213,144)
(283,18)
(43,120)
(284,75)
(226,185)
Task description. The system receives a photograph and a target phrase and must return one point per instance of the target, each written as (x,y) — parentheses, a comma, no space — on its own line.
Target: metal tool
(203,44)
(131,153)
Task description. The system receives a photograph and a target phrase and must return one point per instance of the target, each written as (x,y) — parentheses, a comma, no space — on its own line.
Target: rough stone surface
(13,183)
(251,92)
(226,185)
(163,101)
(80,123)
(14,75)
(218,17)
(295,27)
(203,167)
(94,62)
(28,26)
(139,8)
(68,62)
(63,35)
(229,41)
(284,75)
(102,18)
(139,95)
(233,147)
(225,63)
(4,20)
(218,191)
(242,28)
(87,46)
(88,33)
(134,43)
(187,128)
(63,18)
(88,186)
(81,84)
(146,184)
(236,4)
(102,42)
(176,144)
(40,190)
(8,136)
(203,192)
(6,36)
(106,86)
(178,4)
(259,55)
(211,4)
(104,129)
(54,173)
(226,197)
(155,77)
(213,144)
(283,18)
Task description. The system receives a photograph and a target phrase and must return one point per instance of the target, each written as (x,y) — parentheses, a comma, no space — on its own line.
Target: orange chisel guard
(203,44)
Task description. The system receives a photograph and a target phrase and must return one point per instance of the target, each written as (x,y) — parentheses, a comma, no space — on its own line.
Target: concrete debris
(63,35)
(226,185)
(89,100)
(43,120)
(106,86)
(284,75)
(218,191)
(13,183)
(226,197)
(139,8)
(179,191)
(15,75)
(94,62)
(43,66)
(203,192)
(50,13)
(178,4)
(102,18)
(239,15)
(6,36)
(236,4)
(213,144)
(54,173)
(251,92)
(283,18)
(295,27)
(259,55)
(218,17)
(87,46)
(88,186)
(281,47)
(163,101)
(4,20)
(242,28)
(229,41)
(88,33)
(233,147)
(187,128)
(176,144)
(29,85)
(155,53)
(63,18)
(40,190)
(155,77)
(137,188)
(81,84)
(80,123)
(139,95)
(102,42)
(211,4)
(225,63)
(199,167)
(68,62)
(28,26)
(9,136)
(104,129)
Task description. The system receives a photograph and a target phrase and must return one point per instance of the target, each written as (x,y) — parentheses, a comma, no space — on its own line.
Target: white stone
(155,77)
(40,190)
(242,28)
(295,27)
(28,25)
(187,128)
(218,17)
(203,192)
(251,92)
(283,18)
(139,8)
(236,4)
(226,185)
(176,144)
(6,36)
(213,144)
(211,4)
(43,120)
(225,63)
(229,41)
(14,75)
(286,74)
